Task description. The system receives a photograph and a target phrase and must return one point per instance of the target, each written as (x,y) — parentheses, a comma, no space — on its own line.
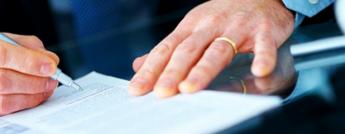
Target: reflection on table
(238,78)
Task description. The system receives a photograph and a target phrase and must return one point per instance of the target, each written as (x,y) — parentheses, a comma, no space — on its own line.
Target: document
(105,107)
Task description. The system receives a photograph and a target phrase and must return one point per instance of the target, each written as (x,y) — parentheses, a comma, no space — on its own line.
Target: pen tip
(76,86)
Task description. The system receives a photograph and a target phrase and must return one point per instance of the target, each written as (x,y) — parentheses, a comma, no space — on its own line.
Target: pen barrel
(62,78)
(4,37)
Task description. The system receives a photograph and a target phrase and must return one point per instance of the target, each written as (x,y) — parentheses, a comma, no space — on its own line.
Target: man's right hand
(189,58)
(24,73)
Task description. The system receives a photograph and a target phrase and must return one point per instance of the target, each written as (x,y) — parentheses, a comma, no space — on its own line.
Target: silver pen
(59,75)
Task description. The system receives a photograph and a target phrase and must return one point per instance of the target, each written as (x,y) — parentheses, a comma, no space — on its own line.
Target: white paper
(105,107)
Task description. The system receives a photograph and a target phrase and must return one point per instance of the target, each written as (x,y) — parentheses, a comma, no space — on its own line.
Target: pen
(59,75)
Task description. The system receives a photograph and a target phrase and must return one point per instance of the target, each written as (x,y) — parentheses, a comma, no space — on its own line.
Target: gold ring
(230,42)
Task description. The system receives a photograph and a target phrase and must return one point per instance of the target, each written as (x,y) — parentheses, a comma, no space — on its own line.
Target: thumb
(25,60)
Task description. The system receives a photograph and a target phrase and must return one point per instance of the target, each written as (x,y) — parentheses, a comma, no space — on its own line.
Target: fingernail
(260,69)
(187,87)
(51,84)
(163,92)
(46,69)
(165,89)
(137,84)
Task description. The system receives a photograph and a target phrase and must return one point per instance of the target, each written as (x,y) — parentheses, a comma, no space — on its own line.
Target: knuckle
(3,55)
(187,48)
(268,50)
(172,72)
(147,72)
(266,23)
(241,22)
(172,38)
(216,19)
(271,45)
(202,69)
(162,48)
(269,55)
(220,48)
(166,45)
(209,61)
(34,39)
(264,53)
(241,15)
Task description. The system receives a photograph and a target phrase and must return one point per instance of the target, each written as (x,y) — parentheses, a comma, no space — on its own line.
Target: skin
(188,59)
(24,74)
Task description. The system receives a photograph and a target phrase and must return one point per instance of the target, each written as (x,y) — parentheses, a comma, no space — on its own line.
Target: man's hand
(189,58)
(24,73)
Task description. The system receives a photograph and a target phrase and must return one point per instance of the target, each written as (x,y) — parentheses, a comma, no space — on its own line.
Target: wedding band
(230,42)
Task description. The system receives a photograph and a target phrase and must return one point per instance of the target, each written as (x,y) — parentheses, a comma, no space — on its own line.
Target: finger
(147,75)
(182,60)
(12,82)
(34,43)
(26,60)
(51,55)
(215,58)
(138,62)
(144,79)
(265,52)
(16,102)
